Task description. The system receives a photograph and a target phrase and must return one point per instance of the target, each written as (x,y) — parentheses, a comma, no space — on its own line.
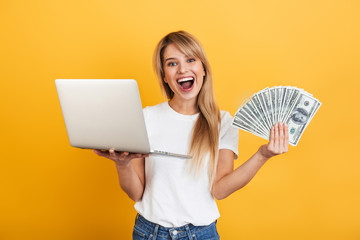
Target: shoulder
(156,108)
(225,114)
(229,135)
(156,111)
(226,123)
(226,118)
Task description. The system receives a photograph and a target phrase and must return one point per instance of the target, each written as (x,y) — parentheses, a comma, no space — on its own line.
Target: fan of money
(264,109)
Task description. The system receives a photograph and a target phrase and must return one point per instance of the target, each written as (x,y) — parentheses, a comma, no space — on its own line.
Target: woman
(175,197)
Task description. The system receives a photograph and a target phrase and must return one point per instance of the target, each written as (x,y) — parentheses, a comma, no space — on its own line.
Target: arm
(228,180)
(131,171)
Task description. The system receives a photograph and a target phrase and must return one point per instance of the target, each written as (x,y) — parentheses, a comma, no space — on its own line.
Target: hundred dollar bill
(257,105)
(247,130)
(242,118)
(285,101)
(278,98)
(300,116)
(289,102)
(294,97)
(289,92)
(263,105)
(244,126)
(268,106)
(272,98)
(317,107)
(291,97)
(285,94)
(245,116)
(255,116)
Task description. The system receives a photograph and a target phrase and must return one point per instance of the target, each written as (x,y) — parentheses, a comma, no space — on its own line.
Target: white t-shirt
(174,197)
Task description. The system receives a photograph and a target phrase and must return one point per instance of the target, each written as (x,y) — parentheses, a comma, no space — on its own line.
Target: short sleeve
(229,135)
(146,113)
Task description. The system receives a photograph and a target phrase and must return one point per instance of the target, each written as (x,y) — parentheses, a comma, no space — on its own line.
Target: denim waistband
(172,232)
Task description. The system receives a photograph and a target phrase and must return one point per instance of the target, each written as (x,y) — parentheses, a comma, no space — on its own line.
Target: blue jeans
(146,230)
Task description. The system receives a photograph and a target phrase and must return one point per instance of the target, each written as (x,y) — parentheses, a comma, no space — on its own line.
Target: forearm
(241,176)
(130,181)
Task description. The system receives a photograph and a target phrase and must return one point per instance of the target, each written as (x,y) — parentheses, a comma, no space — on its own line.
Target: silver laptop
(104,114)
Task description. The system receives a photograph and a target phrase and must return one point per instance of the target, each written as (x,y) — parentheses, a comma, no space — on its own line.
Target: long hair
(205,135)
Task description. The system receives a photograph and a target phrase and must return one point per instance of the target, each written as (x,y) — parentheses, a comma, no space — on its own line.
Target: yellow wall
(50,190)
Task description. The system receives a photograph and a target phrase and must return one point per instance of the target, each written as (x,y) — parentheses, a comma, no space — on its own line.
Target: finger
(124,154)
(281,138)
(286,137)
(101,153)
(272,137)
(112,153)
(135,155)
(276,138)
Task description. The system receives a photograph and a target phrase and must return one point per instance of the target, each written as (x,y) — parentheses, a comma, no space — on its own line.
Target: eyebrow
(169,59)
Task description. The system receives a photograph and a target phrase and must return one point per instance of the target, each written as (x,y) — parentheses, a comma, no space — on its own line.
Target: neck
(186,107)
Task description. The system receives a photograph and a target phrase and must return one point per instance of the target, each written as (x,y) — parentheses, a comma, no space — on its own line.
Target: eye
(191,60)
(170,64)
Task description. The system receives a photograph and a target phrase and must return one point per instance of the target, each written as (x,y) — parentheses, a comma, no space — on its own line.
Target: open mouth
(186,83)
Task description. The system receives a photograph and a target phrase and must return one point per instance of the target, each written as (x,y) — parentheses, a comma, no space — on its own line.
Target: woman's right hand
(120,158)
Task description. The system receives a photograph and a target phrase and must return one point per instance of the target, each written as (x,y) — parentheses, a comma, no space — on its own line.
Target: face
(184,74)
(299,118)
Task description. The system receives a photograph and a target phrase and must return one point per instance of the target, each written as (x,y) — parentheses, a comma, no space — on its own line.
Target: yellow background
(50,190)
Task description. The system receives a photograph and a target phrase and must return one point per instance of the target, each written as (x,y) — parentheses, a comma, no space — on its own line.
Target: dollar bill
(242,124)
(266,96)
(300,116)
(272,99)
(262,100)
(292,105)
(285,94)
(257,105)
(255,116)
(278,98)
(289,99)
(242,117)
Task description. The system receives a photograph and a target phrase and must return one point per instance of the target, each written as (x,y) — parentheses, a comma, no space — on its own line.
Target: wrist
(123,165)
(262,156)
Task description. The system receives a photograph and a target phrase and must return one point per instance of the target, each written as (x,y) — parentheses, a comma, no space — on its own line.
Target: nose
(181,68)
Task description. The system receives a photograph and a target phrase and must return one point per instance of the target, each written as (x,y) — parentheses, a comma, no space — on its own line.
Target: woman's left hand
(278,143)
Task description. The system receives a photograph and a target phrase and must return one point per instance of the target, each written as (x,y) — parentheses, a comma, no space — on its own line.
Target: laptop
(104,114)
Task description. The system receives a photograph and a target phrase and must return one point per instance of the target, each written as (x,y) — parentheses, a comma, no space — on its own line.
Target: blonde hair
(205,136)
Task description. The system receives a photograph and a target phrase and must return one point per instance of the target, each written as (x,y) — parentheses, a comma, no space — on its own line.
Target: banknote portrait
(300,116)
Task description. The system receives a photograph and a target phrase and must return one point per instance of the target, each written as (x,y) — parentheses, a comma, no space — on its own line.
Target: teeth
(185,79)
